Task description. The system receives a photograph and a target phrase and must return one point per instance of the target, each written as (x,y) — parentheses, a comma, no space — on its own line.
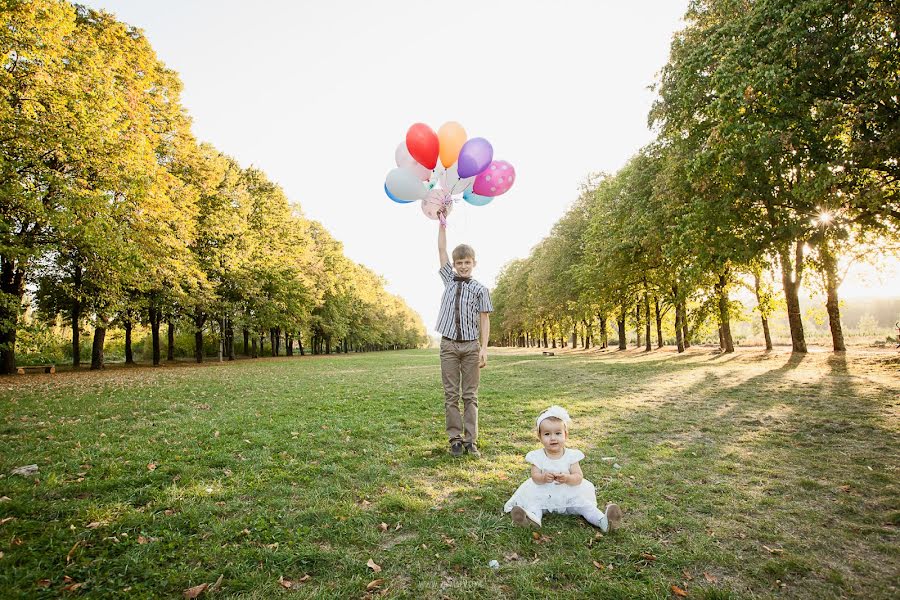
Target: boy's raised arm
(442,245)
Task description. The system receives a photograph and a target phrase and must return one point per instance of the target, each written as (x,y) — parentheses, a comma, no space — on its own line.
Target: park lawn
(752,475)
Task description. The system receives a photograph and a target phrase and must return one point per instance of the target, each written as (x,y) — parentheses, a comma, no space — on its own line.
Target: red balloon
(422,143)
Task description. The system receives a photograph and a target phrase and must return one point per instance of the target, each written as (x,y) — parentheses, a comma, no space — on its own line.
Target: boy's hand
(482,358)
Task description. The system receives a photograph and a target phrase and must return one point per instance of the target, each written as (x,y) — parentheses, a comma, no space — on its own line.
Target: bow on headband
(554,411)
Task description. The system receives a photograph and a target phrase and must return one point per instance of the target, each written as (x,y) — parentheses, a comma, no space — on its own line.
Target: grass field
(751,475)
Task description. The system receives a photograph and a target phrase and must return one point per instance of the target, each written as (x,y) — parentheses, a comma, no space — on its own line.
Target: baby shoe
(613,516)
(523,518)
(456,449)
(472,449)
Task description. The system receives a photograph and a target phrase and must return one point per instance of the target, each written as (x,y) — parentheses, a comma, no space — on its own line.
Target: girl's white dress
(554,497)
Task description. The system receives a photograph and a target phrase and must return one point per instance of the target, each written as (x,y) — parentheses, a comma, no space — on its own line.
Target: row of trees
(112,214)
(777,153)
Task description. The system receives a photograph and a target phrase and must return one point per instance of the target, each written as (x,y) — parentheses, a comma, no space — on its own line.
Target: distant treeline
(775,163)
(113,215)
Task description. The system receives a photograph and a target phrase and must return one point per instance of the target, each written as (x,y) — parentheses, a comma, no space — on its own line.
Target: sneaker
(472,449)
(613,516)
(523,518)
(456,449)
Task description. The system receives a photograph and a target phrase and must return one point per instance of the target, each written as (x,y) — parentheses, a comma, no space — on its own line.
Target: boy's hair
(463,251)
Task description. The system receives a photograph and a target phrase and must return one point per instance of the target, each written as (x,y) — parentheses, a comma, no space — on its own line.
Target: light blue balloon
(476,200)
(397,200)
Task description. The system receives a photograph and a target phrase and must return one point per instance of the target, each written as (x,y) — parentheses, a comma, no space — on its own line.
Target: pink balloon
(495,180)
(435,201)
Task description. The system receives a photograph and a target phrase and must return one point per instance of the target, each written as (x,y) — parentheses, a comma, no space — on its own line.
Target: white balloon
(404,185)
(405,160)
(451,182)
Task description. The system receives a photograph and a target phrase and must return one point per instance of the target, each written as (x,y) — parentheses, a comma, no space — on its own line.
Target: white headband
(554,411)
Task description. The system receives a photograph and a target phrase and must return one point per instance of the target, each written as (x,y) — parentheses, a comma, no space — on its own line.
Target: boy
(464,324)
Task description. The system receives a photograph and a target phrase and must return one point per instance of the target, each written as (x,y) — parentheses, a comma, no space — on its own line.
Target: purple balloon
(476,156)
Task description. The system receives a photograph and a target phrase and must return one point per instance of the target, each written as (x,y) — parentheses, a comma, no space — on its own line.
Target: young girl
(556,483)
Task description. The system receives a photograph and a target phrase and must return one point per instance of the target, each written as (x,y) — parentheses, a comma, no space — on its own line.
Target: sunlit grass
(753,475)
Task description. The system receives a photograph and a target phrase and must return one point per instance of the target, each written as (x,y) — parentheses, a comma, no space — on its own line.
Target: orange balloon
(451,136)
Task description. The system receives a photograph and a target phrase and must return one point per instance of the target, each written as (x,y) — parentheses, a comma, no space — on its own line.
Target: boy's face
(464,266)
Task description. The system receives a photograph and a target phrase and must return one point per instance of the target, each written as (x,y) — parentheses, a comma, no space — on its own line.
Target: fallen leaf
(215,587)
(599,565)
(4,498)
(1,555)
(44,583)
(293,585)
(272,546)
(195,591)
(72,587)
(71,552)
(512,556)
(710,578)
(374,584)
(93,525)
(152,467)
(216,434)
(448,540)
(383,527)
(142,540)
(398,527)
(679,592)
(845,488)
(647,556)
(203,406)
(773,550)
(687,575)
(371,564)
(6,520)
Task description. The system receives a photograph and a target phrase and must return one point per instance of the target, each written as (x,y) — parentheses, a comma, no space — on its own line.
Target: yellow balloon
(451,136)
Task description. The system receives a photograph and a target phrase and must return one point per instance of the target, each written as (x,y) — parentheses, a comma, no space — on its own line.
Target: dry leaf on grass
(45,583)
(687,575)
(679,592)
(289,584)
(195,591)
(215,587)
(6,520)
(648,556)
(93,525)
(710,578)
(599,565)
(773,550)
(374,584)
(371,564)
(71,552)
(511,557)
(151,466)
(383,527)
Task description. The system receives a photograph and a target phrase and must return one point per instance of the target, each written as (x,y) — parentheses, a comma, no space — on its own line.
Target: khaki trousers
(460,375)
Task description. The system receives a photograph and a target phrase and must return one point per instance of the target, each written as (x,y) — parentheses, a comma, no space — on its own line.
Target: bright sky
(319,94)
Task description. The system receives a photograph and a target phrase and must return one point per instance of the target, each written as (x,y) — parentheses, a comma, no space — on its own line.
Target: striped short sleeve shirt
(461,306)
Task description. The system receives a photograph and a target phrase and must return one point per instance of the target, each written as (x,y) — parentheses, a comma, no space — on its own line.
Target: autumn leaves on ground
(748,475)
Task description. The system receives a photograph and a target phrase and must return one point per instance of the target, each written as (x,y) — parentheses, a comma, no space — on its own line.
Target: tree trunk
(155,316)
(722,289)
(254,352)
(637,323)
(604,340)
(684,325)
(300,343)
(648,345)
(721,338)
(791,277)
(12,290)
(621,323)
(763,314)
(246,342)
(229,335)
(129,355)
(170,339)
(76,318)
(199,321)
(679,333)
(829,264)
(659,337)
(97,348)
(288,343)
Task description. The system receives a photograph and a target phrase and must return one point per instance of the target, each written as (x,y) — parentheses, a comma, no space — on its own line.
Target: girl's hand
(563,477)
(549,477)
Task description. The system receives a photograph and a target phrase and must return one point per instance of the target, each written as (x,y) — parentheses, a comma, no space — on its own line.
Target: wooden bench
(36,369)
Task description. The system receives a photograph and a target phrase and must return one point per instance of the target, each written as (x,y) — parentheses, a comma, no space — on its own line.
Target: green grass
(746,476)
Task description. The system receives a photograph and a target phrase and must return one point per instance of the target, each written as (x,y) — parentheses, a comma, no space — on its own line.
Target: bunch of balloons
(467,170)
